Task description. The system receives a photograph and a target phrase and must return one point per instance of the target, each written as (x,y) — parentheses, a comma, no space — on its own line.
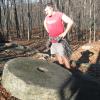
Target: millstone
(29,79)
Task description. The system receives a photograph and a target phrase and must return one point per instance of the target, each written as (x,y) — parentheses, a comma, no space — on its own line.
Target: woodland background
(24,18)
(21,21)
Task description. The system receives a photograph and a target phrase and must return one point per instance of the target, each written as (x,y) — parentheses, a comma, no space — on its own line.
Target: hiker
(54,25)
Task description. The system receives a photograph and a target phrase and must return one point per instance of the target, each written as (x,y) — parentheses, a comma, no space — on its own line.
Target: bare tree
(16,20)
(0,15)
(29,20)
(94,22)
(90,21)
(8,19)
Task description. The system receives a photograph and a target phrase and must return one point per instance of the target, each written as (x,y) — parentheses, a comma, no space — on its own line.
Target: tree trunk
(94,23)
(90,21)
(8,21)
(0,16)
(29,21)
(16,20)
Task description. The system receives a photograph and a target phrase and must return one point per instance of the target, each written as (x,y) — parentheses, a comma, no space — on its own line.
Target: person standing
(54,25)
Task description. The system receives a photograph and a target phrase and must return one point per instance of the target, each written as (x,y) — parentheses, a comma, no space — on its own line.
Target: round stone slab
(29,79)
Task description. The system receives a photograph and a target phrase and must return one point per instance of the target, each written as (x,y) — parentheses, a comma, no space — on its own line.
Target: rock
(29,79)
(41,56)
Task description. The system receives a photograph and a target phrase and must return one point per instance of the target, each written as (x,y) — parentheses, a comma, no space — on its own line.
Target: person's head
(49,9)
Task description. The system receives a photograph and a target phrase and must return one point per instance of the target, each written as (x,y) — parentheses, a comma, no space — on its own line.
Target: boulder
(29,79)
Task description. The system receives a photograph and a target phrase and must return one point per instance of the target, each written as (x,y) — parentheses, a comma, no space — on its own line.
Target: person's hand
(62,35)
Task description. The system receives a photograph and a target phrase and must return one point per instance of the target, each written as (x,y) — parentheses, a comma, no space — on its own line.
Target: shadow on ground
(83,86)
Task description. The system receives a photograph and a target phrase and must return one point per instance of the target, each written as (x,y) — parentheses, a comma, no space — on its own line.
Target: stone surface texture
(29,79)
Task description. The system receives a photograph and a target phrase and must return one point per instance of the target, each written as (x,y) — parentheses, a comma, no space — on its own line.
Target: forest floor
(36,43)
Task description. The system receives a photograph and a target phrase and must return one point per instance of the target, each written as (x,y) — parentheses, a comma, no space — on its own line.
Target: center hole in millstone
(41,69)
